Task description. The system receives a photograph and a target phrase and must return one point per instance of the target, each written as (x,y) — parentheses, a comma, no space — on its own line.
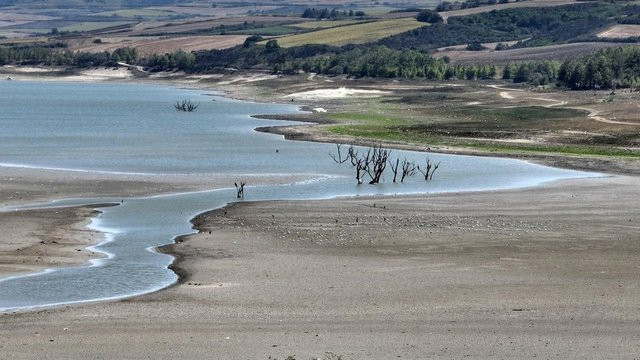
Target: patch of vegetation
(429,16)
(404,135)
(334,14)
(352,34)
(380,61)
(606,69)
(481,128)
(540,26)
(468,4)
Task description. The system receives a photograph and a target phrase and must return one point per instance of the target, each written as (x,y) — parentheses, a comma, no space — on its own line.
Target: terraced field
(352,34)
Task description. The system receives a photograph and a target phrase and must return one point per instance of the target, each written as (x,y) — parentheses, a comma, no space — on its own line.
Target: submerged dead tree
(339,158)
(429,170)
(377,163)
(240,189)
(372,163)
(394,168)
(409,168)
(186,105)
(359,162)
(405,169)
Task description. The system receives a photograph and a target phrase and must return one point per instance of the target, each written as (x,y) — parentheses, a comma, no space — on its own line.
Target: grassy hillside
(352,34)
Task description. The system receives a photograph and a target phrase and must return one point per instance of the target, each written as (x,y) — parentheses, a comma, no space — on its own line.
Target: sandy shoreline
(548,271)
(33,240)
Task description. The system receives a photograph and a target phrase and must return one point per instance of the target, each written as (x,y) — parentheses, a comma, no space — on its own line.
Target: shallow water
(131,128)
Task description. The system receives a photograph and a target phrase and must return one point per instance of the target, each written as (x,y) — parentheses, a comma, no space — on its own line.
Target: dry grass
(150,45)
(620,32)
(352,34)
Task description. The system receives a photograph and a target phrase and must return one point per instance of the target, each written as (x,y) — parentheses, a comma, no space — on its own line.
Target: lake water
(133,128)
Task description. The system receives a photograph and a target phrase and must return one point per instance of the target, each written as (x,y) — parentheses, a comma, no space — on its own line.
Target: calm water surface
(132,128)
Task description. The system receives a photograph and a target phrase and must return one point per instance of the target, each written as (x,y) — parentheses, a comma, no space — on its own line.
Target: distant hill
(68,4)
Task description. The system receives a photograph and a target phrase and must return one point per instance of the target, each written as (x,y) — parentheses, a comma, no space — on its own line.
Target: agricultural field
(194,26)
(352,34)
(461,56)
(209,11)
(151,45)
(512,5)
(138,13)
(620,32)
(325,24)
(92,26)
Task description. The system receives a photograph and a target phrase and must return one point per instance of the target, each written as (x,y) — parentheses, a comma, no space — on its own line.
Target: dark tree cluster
(60,56)
(606,69)
(540,26)
(457,5)
(535,73)
(325,13)
(429,16)
(383,62)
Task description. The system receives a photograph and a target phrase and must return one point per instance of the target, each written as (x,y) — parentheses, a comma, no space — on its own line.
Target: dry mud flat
(548,271)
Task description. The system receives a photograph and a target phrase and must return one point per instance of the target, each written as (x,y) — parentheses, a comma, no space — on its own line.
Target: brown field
(481,9)
(147,46)
(620,32)
(189,26)
(213,11)
(15,17)
(551,52)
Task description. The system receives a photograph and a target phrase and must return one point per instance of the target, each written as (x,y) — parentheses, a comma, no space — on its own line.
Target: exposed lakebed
(133,129)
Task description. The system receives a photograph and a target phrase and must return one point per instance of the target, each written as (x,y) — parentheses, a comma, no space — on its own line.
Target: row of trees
(383,62)
(447,5)
(59,56)
(325,13)
(605,69)
(609,68)
(373,162)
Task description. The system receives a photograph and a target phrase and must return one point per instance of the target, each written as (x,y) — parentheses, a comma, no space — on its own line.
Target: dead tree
(359,162)
(240,189)
(339,158)
(186,105)
(429,170)
(408,169)
(377,163)
(394,168)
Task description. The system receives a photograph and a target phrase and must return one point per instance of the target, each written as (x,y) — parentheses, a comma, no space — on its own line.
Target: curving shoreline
(485,281)
(517,182)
